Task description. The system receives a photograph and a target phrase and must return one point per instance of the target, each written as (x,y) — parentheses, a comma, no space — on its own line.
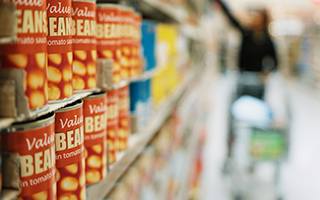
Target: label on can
(126,42)
(112,124)
(124,118)
(95,124)
(136,47)
(37,161)
(59,43)
(70,161)
(109,37)
(28,53)
(84,45)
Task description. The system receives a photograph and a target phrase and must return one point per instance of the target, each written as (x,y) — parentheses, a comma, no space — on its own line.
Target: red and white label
(84,25)
(60,26)
(69,137)
(37,160)
(95,120)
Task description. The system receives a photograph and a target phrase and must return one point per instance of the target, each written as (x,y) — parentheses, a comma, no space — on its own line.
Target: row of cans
(155,167)
(59,42)
(62,152)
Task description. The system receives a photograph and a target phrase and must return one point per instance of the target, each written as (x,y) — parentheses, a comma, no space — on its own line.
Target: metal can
(124,118)
(28,53)
(84,45)
(148,42)
(34,142)
(95,136)
(112,124)
(136,46)
(60,55)
(109,36)
(70,159)
(127,18)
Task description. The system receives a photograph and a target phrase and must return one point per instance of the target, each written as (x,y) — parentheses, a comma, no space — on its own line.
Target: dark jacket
(256,52)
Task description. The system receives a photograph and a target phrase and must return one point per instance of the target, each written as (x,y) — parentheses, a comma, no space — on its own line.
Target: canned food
(136,47)
(109,36)
(148,42)
(112,124)
(34,142)
(127,18)
(95,124)
(84,45)
(60,55)
(29,52)
(124,118)
(70,160)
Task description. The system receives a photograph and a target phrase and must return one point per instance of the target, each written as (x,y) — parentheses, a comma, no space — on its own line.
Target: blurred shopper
(257,58)
(257,55)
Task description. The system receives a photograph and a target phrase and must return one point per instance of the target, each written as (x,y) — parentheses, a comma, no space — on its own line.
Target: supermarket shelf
(138,142)
(5,122)
(5,40)
(55,106)
(144,76)
(175,13)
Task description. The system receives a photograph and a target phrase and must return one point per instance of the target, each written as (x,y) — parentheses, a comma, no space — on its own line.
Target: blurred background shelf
(138,141)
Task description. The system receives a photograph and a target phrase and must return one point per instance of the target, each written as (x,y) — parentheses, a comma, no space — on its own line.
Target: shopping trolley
(251,142)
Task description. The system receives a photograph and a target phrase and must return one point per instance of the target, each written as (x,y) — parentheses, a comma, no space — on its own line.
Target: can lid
(108,5)
(96,95)
(31,124)
(71,106)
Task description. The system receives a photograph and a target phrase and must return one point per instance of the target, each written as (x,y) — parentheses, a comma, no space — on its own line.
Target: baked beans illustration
(60,55)
(29,52)
(34,142)
(84,45)
(112,124)
(124,118)
(70,158)
(95,135)
(109,36)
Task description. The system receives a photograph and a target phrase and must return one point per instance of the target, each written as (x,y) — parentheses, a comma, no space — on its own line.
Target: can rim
(96,95)
(138,14)
(126,8)
(72,106)
(94,1)
(108,5)
(39,122)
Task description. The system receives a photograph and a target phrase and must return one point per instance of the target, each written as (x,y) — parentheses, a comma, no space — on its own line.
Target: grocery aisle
(301,175)
(214,185)
(300,178)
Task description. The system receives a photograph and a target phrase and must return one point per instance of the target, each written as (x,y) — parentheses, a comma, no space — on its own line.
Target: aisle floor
(300,174)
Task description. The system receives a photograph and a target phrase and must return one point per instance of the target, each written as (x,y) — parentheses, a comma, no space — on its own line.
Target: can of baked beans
(34,142)
(84,45)
(95,136)
(70,160)
(124,118)
(29,52)
(127,18)
(60,55)
(109,36)
(136,47)
(112,124)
